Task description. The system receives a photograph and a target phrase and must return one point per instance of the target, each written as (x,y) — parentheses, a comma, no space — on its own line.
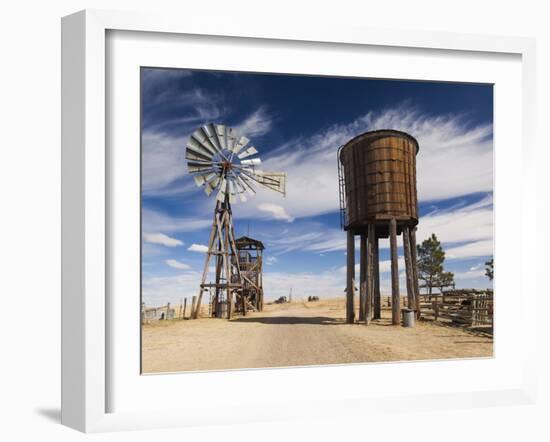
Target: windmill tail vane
(223,163)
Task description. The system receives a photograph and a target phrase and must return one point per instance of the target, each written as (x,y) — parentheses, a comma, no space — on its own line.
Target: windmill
(222,162)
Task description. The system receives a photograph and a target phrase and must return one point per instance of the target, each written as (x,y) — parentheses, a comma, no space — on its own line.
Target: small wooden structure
(378,199)
(250,264)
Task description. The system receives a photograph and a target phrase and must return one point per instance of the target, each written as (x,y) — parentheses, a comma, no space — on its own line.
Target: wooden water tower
(378,199)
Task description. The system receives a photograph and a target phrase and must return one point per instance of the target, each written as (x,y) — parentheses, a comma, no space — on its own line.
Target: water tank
(378,174)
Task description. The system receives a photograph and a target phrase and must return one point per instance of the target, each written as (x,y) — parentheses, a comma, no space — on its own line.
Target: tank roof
(379,134)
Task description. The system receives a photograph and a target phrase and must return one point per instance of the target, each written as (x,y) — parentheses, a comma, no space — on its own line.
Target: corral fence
(161,313)
(183,310)
(466,307)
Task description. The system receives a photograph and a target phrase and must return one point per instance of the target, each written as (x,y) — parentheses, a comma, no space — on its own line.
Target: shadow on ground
(313,320)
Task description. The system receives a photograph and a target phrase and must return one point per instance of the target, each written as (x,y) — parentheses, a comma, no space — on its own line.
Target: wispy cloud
(257,124)
(275,211)
(466,231)
(161,239)
(160,222)
(455,159)
(198,248)
(177,264)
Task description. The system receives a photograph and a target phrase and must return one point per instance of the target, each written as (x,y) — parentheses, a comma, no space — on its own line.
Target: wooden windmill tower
(220,162)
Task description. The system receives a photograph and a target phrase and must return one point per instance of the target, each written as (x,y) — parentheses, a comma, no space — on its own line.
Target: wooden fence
(169,312)
(468,308)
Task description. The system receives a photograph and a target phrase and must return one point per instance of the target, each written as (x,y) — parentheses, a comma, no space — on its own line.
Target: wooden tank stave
(380,178)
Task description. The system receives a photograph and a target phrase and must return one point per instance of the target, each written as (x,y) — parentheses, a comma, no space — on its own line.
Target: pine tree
(489,269)
(430,265)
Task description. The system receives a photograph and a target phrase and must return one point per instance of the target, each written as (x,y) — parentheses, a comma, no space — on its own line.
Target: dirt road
(298,334)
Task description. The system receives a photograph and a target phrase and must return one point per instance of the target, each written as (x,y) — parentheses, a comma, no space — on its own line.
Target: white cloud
(470,274)
(257,124)
(157,221)
(471,224)
(177,264)
(468,223)
(198,248)
(471,250)
(162,239)
(455,159)
(276,211)
(159,290)
(271,260)
(163,160)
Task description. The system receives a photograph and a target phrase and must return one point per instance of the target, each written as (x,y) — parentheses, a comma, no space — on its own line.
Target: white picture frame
(86,204)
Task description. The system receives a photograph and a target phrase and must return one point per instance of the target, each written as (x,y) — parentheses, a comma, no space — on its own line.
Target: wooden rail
(469,308)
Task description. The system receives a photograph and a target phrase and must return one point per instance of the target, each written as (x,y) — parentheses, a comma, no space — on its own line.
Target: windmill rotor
(222,162)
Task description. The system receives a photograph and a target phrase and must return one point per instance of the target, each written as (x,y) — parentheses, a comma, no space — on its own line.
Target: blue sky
(297,123)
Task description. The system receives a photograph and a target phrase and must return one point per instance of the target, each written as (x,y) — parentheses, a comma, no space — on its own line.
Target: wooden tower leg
(234,266)
(227,263)
(350,313)
(363,277)
(415,272)
(377,300)
(408,269)
(213,235)
(370,272)
(216,305)
(395,300)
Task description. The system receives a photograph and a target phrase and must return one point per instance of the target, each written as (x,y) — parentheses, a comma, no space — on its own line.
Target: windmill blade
(191,155)
(210,182)
(202,167)
(232,138)
(223,191)
(198,161)
(200,137)
(199,180)
(210,131)
(208,189)
(251,162)
(199,148)
(231,187)
(220,132)
(243,141)
(244,180)
(246,153)
(194,168)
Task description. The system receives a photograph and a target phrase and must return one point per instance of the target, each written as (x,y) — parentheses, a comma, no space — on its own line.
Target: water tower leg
(370,272)
(376,300)
(415,272)
(363,278)
(408,268)
(350,313)
(395,301)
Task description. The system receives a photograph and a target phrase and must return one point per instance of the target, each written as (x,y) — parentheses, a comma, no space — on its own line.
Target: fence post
(193,307)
